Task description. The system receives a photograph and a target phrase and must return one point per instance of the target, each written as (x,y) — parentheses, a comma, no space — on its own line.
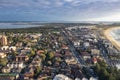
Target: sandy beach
(110,37)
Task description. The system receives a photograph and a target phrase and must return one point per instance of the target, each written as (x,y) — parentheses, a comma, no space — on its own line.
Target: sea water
(17,25)
(115,33)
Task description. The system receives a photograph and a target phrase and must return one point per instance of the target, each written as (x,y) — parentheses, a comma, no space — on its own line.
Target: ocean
(12,25)
(115,33)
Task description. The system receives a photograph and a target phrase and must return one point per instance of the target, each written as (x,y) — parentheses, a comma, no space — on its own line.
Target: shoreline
(110,37)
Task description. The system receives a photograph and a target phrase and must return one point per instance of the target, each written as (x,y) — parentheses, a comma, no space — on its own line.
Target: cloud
(86,2)
(68,0)
(61,9)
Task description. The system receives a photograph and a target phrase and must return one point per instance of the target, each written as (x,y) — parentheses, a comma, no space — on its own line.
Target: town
(79,52)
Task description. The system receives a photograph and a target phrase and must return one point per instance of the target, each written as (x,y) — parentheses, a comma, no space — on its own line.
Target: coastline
(110,37)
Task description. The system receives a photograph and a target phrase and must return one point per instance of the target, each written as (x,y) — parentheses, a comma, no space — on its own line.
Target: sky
(59,10)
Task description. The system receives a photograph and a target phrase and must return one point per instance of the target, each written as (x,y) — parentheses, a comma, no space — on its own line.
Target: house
(95,52)
(86,44)
(29,74)
(40,52)
(27,48)
(94,60)
(6,69)
(22,57)
(76,43)
(68,53)
(117,66)
(70,60)
(92,78)
(61,77)
(15,65)
(64,47)
(33,36)
(2,55)
(19,44)
(35,62)
(12,48)
(77,79)
(84,78)
(16,70)
(42,77)
(5,48)
(24,51)
(9,76)
(85,55)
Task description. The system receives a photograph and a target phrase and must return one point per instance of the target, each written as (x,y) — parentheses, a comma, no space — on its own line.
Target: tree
(14,53)
(97,68)
(43,56)
(50,55)
(37,71)
(111,77)
(32,53)
(3,61)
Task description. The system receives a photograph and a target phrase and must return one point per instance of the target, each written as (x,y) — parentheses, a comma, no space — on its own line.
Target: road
(72,48)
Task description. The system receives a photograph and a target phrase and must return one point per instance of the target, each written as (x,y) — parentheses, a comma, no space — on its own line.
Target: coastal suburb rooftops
(61,77)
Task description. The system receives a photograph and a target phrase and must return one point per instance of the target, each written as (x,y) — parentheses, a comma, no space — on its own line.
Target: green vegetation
(37,71)
(3,61)
(107,73)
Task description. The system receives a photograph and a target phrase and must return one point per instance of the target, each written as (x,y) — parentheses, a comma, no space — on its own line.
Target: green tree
(14,53)
(98,68)
(43,56)
(3,61)
(111,77)
(37,71)
(50,55)
(32,53)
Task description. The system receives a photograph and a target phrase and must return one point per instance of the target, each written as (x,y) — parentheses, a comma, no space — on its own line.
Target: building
(118,66)
(9,76)
(4,40)
(13,48)
(76,43)
(61,77)
(6,69)
(94,60)
(86,44)
(2,55)
(85,55)
(4,48)
(70,60)
(92,78)
(15,65)
(95,52)
(28,75)
(22,57)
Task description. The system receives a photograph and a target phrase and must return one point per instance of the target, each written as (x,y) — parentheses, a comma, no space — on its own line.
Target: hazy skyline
(59,10)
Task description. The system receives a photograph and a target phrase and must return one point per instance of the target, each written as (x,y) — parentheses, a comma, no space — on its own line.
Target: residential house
(86,44)
(29,74)
(15,65)
(70,60)
(22,57)
(95,52)
(2,55)
(9,76)
(5,48)
(12,48)
(76,43)
(85,55)
(61,77)
(6,69)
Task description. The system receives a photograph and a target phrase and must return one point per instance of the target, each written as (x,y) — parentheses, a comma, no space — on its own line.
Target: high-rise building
(4,40)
